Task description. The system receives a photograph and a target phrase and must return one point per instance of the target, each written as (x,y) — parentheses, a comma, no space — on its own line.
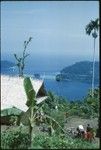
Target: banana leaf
(30,93)
(11,111)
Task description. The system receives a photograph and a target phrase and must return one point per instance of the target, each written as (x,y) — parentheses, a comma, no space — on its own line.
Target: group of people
(87,134)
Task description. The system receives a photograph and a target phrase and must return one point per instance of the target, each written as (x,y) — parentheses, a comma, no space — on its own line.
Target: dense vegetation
(59,109)
(87,108)
(16,139)
(80,71)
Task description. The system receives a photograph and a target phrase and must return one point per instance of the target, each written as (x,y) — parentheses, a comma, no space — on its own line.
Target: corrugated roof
(13,93)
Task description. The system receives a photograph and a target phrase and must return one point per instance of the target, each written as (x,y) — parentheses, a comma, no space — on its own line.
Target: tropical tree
(21,60)
(31,102)
(34,108)
(93,27)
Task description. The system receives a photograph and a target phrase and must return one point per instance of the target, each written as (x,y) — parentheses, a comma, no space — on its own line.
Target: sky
(57,28)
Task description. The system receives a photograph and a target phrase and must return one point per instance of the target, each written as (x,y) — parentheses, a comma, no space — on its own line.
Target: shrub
(61,142)
(14,138)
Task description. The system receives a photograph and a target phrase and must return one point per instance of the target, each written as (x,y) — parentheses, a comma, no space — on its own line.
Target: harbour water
(71,90)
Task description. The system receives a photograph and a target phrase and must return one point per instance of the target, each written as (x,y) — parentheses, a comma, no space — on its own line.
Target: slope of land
(80,71)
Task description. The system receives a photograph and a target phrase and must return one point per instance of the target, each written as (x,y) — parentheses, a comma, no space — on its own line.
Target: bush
(18,139)
(14,138)
(61,142)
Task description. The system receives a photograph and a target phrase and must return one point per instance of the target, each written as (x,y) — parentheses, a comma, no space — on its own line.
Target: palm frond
(92,26)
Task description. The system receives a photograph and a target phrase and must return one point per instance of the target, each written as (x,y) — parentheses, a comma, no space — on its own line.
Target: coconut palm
(93,27)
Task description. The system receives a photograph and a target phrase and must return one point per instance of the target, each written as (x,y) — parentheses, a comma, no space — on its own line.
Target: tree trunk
(31,128)
(31,136)
(19,71)
(93,74)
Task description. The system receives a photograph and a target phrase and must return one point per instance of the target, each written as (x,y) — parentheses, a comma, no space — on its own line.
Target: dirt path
(75,121)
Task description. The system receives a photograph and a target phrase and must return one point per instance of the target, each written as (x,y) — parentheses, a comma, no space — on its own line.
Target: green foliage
(37,109)
(93,102)
(54,101)
(13,120)
(87,108)
(60,142)
(54,118)
(57,106)
(29,92)
(14,139)
(31,103)
(19,139)
(92,27)
(58,116)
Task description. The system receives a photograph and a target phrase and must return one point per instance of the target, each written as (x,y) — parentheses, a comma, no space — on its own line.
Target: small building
(13,96)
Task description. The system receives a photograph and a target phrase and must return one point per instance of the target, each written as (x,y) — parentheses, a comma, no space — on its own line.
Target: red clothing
(89,136)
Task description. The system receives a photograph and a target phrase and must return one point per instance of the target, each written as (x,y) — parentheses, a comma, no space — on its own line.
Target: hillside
(80,71)
(47,133)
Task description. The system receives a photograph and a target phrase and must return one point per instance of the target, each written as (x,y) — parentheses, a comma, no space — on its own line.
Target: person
(88,128)
(90,134)
(80,131)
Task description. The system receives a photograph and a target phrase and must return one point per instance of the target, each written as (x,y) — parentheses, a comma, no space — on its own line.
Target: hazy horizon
(49,65)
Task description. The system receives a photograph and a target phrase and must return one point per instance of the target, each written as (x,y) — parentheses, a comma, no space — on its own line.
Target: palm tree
(93,27)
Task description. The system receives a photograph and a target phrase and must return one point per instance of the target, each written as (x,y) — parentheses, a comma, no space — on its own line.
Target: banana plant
(34,108)
(31,103)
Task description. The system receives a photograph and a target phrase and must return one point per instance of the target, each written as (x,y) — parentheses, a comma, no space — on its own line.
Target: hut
(13,96)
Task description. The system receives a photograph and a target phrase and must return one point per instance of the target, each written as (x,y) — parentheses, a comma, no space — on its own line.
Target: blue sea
(69,90)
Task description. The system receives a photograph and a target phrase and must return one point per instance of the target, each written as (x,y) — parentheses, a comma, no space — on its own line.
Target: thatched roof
(13,92)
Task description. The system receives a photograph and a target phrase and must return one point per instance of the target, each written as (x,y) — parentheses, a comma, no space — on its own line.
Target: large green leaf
(11,111)
(30,93)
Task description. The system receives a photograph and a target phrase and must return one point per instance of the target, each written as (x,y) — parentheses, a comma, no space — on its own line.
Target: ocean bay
(70,90)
